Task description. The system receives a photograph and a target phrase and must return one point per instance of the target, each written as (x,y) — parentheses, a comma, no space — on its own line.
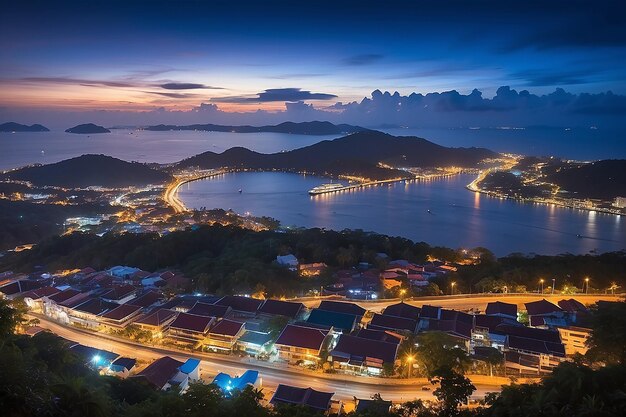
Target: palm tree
(74,398)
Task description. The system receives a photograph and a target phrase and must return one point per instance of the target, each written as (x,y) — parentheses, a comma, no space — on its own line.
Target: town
(128,322)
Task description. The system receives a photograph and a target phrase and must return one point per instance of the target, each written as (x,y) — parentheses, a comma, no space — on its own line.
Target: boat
(325,188)
(240,191)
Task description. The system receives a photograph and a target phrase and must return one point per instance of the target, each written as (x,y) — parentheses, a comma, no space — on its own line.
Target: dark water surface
(457,217)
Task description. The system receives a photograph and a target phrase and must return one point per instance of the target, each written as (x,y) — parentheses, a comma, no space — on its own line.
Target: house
(224,335)
(574,339)
(255,343)
(229,384)
(14,289)
(312,270)
(120,294)
(363,356)
(190,328)
(95,358)
(575,310)
(403,309)
(211,310)
(288,261)
(281,308)
(36,299)
(147,299)
(500,309)
(122,367)
(530,349)
(373,406)
(333,320)
(484,334)
(157,321)
(380,335)
(383,322)
(242,306)
(123,272)
(299,343)
(120,316)
(544,314)
(341,307)
(86,313)
(166,373)
(317,400)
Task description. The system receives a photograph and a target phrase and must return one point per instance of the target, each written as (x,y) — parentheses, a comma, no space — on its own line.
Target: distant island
(88,128)
(369,154)
(90,170)
(17,127)
(303,128)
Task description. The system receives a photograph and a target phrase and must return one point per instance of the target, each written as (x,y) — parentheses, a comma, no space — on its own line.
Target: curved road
(345,387)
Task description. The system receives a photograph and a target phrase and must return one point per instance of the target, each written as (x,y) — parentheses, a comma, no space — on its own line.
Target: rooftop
(341,307)
(238,303)
(383,322)
(329,319)
(159,372)
(302,396)
(281,308)
(302,337)
(192,322)
(227,328)
(403,309)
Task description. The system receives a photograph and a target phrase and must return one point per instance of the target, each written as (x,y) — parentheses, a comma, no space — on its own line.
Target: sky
(134,62)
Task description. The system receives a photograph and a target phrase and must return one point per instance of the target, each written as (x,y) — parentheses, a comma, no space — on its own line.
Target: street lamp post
(587,285)
(541,282)
(553,285)
(452,284)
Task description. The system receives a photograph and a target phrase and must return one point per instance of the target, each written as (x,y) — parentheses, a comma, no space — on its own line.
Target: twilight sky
(192,61)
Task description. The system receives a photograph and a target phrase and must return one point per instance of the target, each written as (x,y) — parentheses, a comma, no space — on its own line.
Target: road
(472,301)
(170,196)
(345,387)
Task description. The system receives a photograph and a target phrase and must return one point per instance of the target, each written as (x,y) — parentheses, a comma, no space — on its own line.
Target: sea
(440,212)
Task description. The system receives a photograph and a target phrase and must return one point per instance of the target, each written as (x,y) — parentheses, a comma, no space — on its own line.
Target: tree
(437,350)
(11,316)
(454,389)
(75,397)
(493,358)
(607,343)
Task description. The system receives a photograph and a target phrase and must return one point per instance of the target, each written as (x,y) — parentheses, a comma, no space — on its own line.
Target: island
(17,127)
(303,128)
(89,171)
(367,155)
(88,128)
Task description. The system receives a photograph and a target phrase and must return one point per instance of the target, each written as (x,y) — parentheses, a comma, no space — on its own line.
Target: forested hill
(357,154)
(90,170)
(602,179)
(303,128)
(17,127)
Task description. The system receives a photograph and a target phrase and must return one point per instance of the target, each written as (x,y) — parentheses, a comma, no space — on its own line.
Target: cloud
(171,95)
(363,59)
(79,81)
(541,78)
(276,94)
(186,86)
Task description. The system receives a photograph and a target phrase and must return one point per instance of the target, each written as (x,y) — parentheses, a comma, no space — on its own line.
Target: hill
(90,170)
(602,179)
(357,154)
(88,128)
(304,128)
(17,127)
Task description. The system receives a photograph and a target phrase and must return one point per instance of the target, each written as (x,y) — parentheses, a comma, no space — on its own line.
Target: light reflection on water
(457,217)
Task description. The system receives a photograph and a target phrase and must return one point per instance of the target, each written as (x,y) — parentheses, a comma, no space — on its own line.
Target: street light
(452,284)
(409,360)
(402,292)
(587,285)
(541,282)
(553,285)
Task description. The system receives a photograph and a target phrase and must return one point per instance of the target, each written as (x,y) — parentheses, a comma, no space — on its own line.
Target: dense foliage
(230,259)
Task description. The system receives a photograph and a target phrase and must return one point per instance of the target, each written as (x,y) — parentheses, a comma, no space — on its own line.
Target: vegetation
(225,259)
(90,170)
(358,155)
(303,128)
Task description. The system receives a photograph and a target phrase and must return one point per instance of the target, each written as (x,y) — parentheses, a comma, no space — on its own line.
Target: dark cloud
(79,81)
(171,95)
(363,59)
(186,86)
(542,78)
(277,94)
